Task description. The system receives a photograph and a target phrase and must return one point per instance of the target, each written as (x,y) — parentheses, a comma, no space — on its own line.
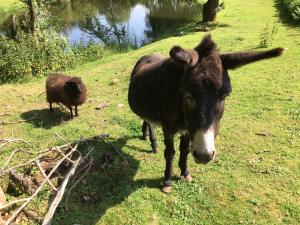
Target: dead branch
(118,151)
(62,154)
(7,141)
(44,175)
(60,193)
(41,93)
(5,114)
(80,178)
(13,203)
(19,121)
(16,213)
(32,215)
(9,158)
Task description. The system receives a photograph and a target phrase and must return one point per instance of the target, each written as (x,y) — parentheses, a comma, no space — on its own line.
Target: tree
(210,9)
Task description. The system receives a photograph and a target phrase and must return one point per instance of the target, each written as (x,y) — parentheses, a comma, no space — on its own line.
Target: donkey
(186,93)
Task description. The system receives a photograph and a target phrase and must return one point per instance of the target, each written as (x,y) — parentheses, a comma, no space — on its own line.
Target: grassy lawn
(255,179)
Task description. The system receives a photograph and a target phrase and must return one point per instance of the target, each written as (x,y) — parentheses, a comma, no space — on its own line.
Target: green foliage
(293,6)
(268,35)
(87,52)
(26,57)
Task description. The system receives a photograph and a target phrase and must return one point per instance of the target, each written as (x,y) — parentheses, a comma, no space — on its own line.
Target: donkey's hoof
(155,150)
(188,178)
(166,189)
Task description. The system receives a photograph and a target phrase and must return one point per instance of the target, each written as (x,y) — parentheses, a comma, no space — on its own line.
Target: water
(134,22)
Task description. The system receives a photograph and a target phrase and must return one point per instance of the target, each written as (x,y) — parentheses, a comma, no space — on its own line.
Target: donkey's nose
(203,157)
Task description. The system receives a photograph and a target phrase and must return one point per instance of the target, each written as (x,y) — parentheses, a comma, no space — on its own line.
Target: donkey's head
(205,84)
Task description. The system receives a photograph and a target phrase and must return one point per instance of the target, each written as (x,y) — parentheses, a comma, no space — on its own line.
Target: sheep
(68,90)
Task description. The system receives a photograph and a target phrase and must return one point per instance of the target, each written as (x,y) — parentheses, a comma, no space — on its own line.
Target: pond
(124,22)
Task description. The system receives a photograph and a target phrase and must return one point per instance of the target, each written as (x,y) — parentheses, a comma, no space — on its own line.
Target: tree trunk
(210,9)
(32,17)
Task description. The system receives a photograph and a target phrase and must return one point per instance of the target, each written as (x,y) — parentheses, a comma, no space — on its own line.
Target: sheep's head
(74,86)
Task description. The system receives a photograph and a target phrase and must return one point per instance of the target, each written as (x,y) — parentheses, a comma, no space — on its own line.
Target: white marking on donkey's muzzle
(203,145)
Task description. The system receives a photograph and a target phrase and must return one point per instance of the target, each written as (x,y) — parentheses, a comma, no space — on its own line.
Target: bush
(27,57)
(293,6)
(87,52)
(267,36)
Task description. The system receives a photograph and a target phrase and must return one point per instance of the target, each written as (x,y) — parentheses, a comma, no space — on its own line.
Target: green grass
(255,179)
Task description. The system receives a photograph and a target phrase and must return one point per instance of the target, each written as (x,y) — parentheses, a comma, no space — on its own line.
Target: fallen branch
(7,141)
(118,151)
(16,213)
(5,114)
(44,175)
(60,193)
(13,203)
(80,178)
(32,215)
(19,121)
(41,93)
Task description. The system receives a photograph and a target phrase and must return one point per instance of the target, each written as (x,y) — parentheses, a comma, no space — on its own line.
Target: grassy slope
(256,178)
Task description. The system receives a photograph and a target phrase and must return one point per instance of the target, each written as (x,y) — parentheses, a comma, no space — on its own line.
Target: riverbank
(255,179)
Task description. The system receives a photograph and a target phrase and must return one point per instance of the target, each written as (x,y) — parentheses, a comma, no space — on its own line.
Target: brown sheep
(68,90)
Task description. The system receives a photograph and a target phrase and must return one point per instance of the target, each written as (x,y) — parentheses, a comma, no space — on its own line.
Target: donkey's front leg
(169,157)
(184,151)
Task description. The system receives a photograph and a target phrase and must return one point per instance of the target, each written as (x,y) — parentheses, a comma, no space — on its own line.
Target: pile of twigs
(48,162)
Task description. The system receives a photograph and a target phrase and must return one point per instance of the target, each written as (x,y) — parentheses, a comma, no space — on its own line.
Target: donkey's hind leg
(152,138)
(145,130)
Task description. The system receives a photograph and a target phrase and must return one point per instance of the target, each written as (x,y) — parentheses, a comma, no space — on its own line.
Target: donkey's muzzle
(203,158)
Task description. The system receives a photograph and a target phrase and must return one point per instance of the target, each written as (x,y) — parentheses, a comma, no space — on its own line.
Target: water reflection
(120,21)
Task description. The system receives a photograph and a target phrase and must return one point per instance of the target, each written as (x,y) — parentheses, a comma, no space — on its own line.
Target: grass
(255,179)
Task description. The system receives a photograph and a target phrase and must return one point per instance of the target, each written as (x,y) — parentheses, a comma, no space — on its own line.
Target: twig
(62,154)
(9,158)
(7,141)
(16,213)
(25,163)
(41,93)
(19,121)
(118,151)
(44,175)
(5,114)
(60,193)
(13,203)
(80,178)
(32,215)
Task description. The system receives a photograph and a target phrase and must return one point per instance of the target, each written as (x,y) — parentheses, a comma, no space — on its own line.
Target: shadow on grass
(44,118)
(104,186)
(284,16)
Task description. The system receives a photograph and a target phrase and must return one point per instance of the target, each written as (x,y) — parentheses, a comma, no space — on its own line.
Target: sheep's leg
(152,138)
(76,112)
(169,157)
(145,130)
(50,104)
(71,112)
(184,151)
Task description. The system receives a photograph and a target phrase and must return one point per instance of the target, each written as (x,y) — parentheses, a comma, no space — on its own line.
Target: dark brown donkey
(185,93)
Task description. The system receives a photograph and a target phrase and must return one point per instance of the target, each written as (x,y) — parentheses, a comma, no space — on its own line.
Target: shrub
(293,7)
(87,52)
(25,57)
(268,35)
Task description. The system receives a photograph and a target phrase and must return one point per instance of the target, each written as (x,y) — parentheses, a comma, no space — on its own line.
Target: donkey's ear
(183,56)
(206,46)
